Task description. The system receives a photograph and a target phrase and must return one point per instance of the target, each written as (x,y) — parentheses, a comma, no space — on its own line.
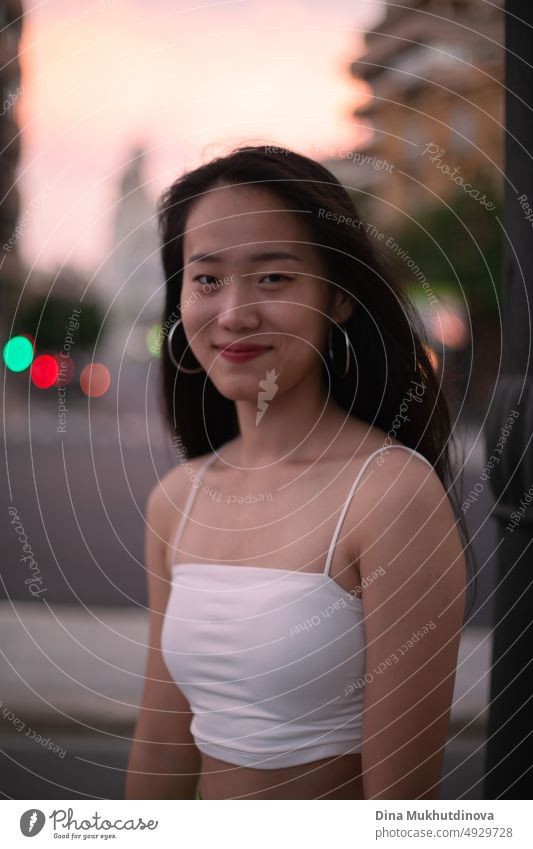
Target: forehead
(229,216)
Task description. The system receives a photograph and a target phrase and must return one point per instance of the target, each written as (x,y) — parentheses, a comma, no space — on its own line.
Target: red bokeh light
(66,368)
(44,371)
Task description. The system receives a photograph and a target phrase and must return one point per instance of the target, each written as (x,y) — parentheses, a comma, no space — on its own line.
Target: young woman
(306,574)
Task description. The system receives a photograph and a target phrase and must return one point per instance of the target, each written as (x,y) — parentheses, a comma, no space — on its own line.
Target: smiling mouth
(243,349)
(243,354)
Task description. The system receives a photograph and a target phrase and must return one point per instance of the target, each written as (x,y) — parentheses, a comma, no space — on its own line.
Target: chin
(234,390)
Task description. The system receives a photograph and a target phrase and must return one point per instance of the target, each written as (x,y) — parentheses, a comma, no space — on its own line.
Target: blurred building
(132,276)
(11,89)
(435,68)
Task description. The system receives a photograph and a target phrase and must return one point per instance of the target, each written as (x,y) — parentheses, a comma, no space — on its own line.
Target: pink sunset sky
(185,80)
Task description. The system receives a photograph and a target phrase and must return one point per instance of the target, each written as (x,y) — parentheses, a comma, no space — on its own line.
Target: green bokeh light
(18,353)
(153,340)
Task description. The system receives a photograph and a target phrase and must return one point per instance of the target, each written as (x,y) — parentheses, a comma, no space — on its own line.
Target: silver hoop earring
(171,353)
(347,341)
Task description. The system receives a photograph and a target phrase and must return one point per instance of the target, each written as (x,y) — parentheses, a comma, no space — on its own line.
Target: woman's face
(252,276)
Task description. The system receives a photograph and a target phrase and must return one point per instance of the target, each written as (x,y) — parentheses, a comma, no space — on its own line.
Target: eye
(211,282)
(276,274)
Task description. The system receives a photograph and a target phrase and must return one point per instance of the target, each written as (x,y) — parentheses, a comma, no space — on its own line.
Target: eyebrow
(260,257)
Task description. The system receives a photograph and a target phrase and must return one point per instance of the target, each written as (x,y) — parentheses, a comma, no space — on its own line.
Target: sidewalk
(70,668)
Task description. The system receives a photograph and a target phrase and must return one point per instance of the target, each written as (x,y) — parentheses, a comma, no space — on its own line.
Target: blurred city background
(103,105)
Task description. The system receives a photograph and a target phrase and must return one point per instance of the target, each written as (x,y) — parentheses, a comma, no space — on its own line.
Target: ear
(343,306)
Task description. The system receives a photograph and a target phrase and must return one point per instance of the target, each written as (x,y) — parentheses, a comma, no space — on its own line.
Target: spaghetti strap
(192,495)
(352,490)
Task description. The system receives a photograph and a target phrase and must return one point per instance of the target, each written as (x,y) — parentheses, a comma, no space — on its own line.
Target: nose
(236,309)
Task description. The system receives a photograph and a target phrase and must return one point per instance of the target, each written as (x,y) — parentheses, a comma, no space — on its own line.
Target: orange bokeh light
(450,329)
(95,379)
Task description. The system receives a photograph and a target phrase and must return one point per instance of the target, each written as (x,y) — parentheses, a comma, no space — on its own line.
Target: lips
(238,352)
(241,348)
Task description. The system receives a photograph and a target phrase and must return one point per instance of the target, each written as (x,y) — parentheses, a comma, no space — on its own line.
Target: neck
(291,426)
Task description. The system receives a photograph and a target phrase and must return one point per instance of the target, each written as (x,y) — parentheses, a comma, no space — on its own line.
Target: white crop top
(271,661)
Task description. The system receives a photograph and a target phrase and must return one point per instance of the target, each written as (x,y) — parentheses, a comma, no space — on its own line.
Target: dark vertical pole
(509,758)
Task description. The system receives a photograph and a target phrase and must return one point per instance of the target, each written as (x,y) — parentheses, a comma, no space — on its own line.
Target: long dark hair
(390,351)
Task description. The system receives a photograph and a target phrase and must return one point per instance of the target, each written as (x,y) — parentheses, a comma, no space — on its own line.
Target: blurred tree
(462,248)
(458,245)
(45,311)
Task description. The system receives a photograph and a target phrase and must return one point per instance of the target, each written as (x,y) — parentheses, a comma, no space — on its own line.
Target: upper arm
(165,714)
(413,572)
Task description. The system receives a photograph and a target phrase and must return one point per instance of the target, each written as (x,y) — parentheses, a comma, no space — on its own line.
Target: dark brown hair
(387,338)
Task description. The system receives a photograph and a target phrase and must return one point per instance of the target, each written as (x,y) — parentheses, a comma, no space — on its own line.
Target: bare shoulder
(166,500)
(399,472)
(394,474)
(405,523)
(400,501)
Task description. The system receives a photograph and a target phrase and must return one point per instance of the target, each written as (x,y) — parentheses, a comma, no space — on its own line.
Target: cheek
(196,318)
(301,327)
(301,346)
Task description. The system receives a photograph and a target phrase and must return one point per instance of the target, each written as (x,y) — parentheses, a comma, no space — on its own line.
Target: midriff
(330,778)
